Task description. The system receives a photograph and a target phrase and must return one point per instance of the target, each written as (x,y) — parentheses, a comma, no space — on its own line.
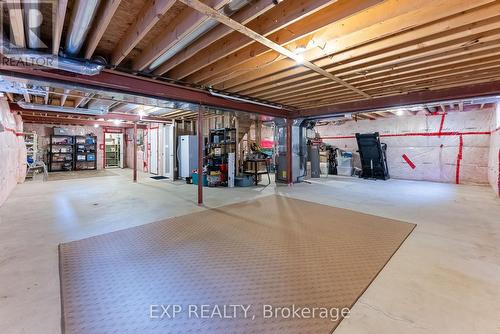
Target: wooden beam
(276,19)
(98,29)
(300,33)
(60,15)
(179,28)
(263,40)
(149,16)
(428,96)
(349,45)
(414,69)
(243,16)
(15,12)
(10,97)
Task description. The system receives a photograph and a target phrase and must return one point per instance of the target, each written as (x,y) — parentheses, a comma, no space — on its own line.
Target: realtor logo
(27,24)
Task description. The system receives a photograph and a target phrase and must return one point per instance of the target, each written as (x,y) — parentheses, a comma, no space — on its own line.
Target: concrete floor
(444,279)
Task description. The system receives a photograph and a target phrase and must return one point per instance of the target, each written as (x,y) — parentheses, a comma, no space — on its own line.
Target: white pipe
(202,29)
(79,25)
(235,98)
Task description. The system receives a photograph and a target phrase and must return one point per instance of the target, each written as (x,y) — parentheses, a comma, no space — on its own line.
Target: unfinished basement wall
(451,147)
(494,159)
(12,151)
(45,130)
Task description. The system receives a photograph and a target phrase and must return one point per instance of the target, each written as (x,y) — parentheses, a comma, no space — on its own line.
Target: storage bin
(195,179)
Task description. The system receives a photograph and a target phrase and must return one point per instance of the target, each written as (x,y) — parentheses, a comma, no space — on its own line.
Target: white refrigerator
(187,155)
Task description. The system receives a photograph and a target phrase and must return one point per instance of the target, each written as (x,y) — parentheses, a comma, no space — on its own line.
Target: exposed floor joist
(270,44)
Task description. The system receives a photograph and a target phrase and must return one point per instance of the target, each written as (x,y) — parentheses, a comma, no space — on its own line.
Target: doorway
(153,153)
(168,151)
(114,157)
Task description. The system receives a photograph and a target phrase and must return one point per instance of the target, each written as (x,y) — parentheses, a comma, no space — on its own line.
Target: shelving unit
(112,155)
(61,153)
(31,141)
(85,152)
(221,142)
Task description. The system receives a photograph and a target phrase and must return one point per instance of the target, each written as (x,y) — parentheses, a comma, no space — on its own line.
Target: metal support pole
(201,109)
(289,148)
(135,151)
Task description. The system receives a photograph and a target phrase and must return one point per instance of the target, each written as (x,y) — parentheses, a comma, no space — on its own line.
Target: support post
(289,175)
(201,109)
(135,152)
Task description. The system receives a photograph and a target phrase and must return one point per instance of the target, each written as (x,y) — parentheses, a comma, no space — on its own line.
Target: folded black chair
(373,156)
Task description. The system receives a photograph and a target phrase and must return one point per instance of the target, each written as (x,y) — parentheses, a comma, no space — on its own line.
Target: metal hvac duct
(79,26)
(20,56)
(202,29)
(45,107)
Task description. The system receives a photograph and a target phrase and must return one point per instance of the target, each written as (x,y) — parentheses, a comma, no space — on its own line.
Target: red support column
(200,154)
(135,151)
(289,175)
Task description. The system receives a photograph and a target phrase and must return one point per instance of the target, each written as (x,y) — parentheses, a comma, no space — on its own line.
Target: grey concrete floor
(444,279)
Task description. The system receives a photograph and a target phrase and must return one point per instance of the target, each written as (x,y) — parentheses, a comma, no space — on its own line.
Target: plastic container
(195,179)
(345,171)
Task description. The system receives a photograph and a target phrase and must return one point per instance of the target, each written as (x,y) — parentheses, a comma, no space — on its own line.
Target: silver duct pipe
(45,107)
(202,29)
(37,58)
(79,26)
(100,104)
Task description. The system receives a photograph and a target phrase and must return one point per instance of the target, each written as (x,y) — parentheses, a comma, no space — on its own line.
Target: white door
(122,150)
(168,151)
(153,156)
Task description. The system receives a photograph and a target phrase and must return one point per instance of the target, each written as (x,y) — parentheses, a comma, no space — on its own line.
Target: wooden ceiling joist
(103,20)
(270,44)
(17,23)
(273,21)
(243,16)
(179,28)
(60,15)
(149,16)
(405,32)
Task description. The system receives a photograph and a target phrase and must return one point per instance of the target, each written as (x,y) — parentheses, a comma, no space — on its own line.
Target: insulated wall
(452,147)
(494,161)
(12,151)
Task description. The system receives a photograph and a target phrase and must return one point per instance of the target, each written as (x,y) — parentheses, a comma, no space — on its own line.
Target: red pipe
(459,159)
(200,154)
(135,152)
(289,176)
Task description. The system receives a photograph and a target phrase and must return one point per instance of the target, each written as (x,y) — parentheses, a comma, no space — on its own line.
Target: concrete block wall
(452,147)
(494,156)
(12,151)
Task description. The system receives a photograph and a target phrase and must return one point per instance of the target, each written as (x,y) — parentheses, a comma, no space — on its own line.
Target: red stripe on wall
(409,162)
(498,173)
(19,134)
(441,124)
(418,134)
(459,159)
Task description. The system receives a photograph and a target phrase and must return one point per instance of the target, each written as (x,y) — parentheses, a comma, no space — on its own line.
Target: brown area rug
(83,174)
(273,251)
